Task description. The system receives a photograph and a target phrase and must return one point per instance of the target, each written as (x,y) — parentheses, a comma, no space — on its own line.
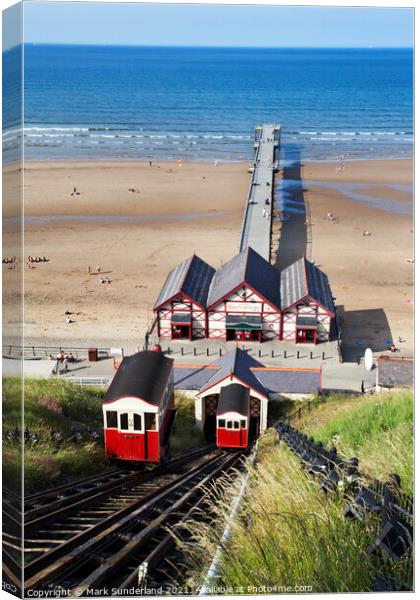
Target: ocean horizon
(203,103)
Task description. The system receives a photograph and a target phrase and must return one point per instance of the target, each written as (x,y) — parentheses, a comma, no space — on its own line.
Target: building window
(222,423)
(111,418)
(243,424)
(235,425)
(124,421)
(229,425)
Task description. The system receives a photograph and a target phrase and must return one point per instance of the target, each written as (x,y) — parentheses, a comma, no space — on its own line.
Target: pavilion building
(246,299)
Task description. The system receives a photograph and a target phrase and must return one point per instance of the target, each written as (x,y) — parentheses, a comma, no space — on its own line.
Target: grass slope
(50,405)
(288,537)
(291,537)
(185,434)
(377,428)
(54,404)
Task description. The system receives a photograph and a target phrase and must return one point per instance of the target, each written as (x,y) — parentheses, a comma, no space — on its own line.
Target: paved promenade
(256,227)
(335,375)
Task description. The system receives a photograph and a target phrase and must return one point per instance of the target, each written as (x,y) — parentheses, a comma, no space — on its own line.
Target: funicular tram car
(233,416)
(138,409)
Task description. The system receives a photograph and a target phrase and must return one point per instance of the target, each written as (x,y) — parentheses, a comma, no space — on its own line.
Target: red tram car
(138,409)
(233,416)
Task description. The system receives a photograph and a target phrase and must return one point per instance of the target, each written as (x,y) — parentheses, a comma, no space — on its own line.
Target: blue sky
(216,25)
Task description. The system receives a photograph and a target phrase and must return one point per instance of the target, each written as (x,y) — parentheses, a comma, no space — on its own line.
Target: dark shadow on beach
(289,203)
(363,329)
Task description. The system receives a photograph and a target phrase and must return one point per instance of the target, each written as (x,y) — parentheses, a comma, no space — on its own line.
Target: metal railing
(90,381)
(11,350)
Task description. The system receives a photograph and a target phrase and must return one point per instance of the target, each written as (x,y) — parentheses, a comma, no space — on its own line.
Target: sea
(203,104)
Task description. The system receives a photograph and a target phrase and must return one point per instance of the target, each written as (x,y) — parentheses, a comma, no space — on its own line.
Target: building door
(240,335)
(306,336)
(181,332)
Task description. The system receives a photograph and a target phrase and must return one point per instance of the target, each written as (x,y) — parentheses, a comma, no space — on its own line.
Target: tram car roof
(143,375)
(234,398)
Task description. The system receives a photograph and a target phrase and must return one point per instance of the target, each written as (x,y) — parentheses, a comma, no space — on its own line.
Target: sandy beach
(370,275)
(135,237)
(176,209)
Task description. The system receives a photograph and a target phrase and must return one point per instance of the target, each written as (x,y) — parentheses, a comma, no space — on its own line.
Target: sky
(214,25)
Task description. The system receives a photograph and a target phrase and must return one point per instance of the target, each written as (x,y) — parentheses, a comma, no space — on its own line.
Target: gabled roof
(234,398)
(302,279)
(143,375)
(246,267)
(191,277)
(238,364)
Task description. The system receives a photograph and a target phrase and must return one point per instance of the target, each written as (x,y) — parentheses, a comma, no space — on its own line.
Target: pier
(258,214)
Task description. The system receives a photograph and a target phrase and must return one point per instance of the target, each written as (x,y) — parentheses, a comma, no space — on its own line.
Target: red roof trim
(174,296)
(308,297)
(245,283)
(296,370)
(227,377)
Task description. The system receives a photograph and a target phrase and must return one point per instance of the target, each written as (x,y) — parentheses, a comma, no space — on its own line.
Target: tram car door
(132,442)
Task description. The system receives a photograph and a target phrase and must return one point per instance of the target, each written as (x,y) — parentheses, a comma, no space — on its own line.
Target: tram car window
(138,409)
(233,416)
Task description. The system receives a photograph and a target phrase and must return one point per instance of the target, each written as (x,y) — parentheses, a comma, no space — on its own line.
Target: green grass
(290,534)
(287,534)
(50,405)
(185,433)
(378,429)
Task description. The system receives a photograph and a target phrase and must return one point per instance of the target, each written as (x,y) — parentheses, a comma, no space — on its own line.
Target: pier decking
(256,226)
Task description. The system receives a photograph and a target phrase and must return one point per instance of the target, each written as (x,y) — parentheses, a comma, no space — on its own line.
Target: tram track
(107,551)
(58,514)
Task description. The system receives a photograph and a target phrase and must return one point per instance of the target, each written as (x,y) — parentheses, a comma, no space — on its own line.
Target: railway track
(58,496)
(101,546)
(52,516)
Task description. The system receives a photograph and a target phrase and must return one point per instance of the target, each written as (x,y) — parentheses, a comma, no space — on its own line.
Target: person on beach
(150,163)
(98,268)
(66,365)
(264,213)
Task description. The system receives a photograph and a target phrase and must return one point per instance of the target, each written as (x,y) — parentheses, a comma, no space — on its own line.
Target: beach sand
(177,210)
(370,276)
(186,209)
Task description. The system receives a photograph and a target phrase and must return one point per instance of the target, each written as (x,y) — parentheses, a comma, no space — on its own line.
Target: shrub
(51,403)
(185,433)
